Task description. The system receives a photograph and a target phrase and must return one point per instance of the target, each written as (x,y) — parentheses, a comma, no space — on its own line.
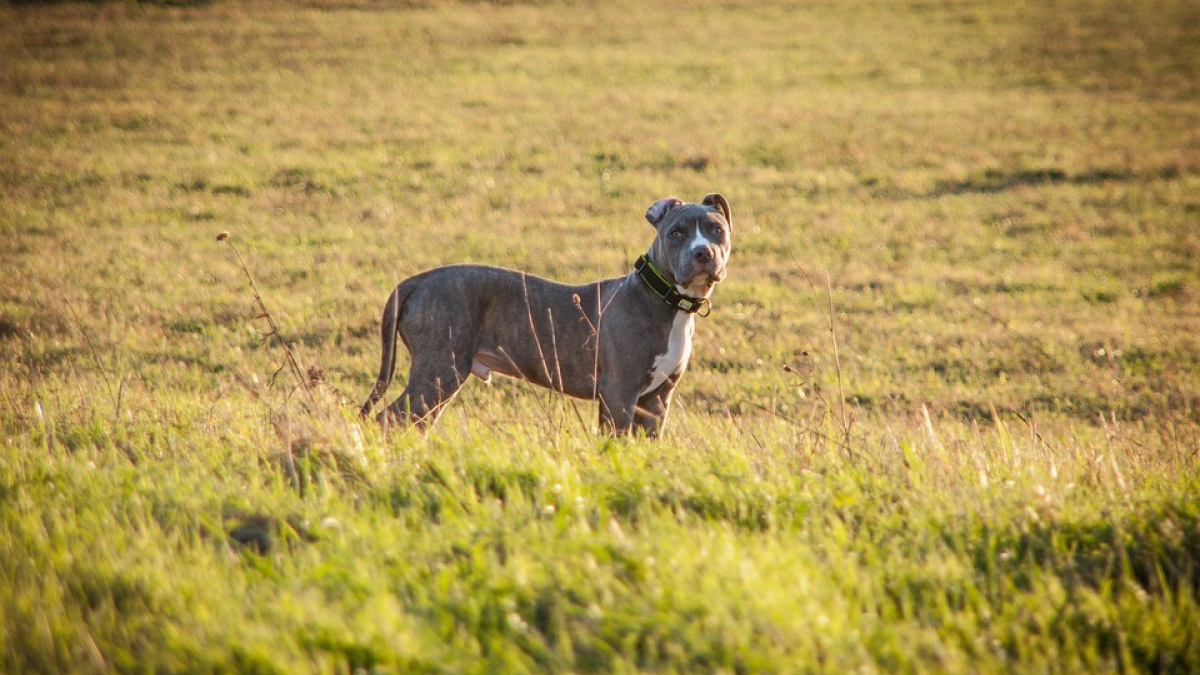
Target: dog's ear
(718,200)
(658,210)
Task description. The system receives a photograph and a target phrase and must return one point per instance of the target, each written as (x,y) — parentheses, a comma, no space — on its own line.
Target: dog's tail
(389,329)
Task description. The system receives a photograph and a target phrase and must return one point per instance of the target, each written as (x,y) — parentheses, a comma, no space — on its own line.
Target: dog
(624,342)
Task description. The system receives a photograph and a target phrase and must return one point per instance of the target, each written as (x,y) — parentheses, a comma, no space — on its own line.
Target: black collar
(654,280)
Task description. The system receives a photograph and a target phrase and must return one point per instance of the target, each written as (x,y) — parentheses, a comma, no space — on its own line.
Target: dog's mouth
(701,284)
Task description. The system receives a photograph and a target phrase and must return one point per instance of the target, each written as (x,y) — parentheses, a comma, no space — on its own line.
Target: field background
(944,417)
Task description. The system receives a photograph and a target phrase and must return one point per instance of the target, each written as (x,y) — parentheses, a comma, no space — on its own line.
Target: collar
(664,289)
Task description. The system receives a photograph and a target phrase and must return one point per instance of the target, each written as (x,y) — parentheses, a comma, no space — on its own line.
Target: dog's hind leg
(437,373)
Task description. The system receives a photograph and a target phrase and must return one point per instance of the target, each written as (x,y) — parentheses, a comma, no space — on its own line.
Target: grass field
(945,416)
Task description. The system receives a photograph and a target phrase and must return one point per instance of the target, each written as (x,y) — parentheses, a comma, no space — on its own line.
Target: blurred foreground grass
(993,206)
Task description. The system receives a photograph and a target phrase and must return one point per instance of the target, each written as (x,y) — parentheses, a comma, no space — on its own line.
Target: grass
(973,450)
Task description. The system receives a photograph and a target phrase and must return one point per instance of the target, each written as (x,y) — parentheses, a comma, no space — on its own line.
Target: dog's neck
(664,286)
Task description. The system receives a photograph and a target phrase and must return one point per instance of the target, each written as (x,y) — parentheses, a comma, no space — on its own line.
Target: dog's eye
(677,234)
(718,231)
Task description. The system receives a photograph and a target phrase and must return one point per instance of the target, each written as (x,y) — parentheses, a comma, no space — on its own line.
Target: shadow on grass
(1159,550)
(1151,401)
(1152,556)
(999,180)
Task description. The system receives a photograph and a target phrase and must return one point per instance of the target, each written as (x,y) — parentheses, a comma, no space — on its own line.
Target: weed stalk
(289,356)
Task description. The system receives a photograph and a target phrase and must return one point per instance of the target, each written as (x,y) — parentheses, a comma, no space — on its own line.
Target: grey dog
(622,341)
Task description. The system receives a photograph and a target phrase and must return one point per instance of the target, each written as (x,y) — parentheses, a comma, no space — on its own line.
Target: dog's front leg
(618,408)
(650,415)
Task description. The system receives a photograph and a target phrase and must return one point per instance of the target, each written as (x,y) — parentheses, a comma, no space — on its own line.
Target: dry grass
(944,417)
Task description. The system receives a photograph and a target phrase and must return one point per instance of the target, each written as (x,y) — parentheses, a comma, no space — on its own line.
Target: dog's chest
(679,349)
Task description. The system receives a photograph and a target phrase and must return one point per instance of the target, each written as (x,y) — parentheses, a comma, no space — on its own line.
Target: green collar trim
(664,289)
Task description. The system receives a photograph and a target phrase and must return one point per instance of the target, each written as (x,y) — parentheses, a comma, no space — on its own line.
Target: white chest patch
(679,349)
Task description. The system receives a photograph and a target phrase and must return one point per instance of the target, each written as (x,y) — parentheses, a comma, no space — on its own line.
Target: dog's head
(693,242)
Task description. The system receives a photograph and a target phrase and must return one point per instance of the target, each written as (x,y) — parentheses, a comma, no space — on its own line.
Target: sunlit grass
(989,207)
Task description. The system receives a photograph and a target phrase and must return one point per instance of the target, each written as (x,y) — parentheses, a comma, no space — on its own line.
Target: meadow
(944,417)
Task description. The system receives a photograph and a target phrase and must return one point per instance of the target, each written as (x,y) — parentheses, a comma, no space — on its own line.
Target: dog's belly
(557,376)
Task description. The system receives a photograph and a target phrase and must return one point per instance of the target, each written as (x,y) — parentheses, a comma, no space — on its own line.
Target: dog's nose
(703,254)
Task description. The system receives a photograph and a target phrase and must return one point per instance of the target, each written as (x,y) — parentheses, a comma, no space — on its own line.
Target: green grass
(988,465)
